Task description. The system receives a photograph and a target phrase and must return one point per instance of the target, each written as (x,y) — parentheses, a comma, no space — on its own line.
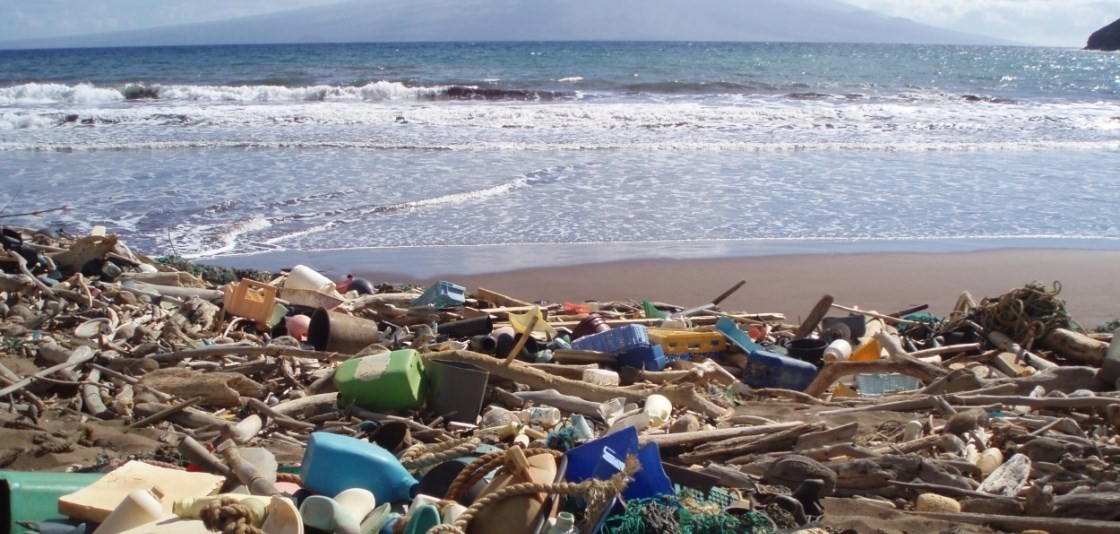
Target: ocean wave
(584,145)
(35,94)
(294,225)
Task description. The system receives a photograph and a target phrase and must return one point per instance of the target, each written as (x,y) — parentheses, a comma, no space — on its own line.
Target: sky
(1033,22)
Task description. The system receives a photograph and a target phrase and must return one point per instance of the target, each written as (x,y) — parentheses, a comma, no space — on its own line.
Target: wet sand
(791,285)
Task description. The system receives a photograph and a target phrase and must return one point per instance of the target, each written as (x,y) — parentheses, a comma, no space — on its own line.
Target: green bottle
(382,382)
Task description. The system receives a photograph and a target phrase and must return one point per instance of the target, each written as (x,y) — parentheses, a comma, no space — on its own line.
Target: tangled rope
(1025,314)
(482,465)
(597,493)
(421,456)
(228,516)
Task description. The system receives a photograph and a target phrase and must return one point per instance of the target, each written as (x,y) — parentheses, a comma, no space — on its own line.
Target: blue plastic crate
(650,358)
(615,340)
(442,295)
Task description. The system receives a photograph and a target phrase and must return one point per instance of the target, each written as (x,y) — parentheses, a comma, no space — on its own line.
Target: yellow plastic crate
(250,299)
(688,341)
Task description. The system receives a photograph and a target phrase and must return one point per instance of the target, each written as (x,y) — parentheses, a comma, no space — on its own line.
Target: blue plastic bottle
(333,463)
(768,370)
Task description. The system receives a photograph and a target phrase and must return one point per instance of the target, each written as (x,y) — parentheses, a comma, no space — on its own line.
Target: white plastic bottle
(659,409)
(837,351)
(564,523)
(545,416)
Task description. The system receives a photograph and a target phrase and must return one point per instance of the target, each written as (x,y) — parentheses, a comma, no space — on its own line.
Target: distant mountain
(1106,38)
(541,20)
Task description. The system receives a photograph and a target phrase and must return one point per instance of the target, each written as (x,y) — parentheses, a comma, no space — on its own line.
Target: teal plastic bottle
(333,463)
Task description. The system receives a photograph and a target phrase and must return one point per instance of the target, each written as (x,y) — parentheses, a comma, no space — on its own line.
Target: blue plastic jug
(768,370)
(333,463)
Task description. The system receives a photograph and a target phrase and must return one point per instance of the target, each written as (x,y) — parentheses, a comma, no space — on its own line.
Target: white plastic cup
(837,351)
(304,277)
(602,377)
(659,409)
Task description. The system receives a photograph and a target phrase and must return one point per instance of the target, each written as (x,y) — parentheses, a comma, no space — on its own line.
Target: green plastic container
(27,496)
(383,382)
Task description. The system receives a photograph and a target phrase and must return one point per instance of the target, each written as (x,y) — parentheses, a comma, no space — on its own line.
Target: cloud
(1042,22)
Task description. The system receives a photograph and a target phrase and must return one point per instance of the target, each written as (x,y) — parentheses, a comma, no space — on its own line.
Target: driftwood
(821,438)
(305,407)
(74,362)
(738,448)
(159,412)
(1076,346)
(684,396)
(814,318)
(219,389)
(279,418)
(704,436)
(1053,525)
(91,397)
(246,350)
(903,364)
(568,403)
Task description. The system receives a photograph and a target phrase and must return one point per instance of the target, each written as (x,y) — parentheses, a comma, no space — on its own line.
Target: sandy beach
(792,284)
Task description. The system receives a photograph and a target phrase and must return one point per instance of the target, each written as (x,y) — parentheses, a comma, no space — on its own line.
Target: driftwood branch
(46,372)
(245,350)
(906,365)
(1053,525)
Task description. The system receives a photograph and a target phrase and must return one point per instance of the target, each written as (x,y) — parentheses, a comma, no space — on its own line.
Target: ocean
(429,158)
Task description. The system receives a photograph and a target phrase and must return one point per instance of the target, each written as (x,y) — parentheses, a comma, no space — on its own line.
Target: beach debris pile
(152,400)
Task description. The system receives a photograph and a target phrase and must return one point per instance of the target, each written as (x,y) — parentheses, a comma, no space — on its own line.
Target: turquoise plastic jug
(333,463)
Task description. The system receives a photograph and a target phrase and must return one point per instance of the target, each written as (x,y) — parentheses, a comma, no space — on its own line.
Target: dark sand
(1090,280)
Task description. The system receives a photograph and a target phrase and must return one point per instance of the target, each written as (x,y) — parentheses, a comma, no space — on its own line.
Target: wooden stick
(279,418)
(895,320)
(240,349)
(91,397)
(684,439)
(909,366)
(46,372)
(1053,525)
(728,293)
(27,272)
(814,318)
(171,410)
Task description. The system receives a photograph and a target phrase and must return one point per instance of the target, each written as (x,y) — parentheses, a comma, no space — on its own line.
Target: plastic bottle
(545,416)
(334,463)
(659,409)
(989,460)
(837,351)
(564,523)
